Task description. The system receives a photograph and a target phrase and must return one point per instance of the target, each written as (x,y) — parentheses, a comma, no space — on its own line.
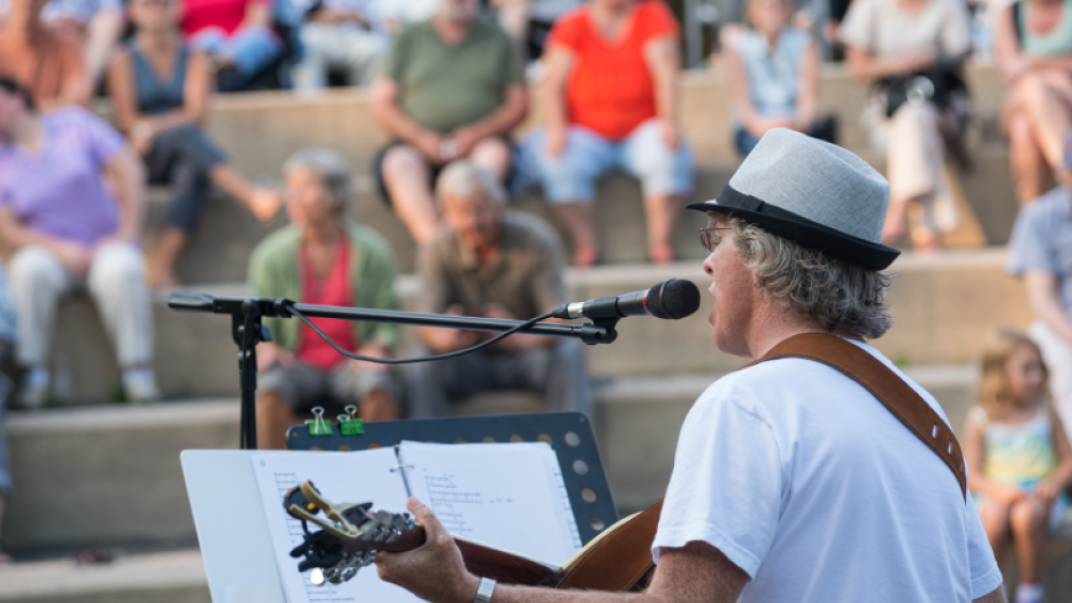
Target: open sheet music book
(510,496)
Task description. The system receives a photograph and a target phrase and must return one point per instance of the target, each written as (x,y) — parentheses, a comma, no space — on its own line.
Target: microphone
(674,299)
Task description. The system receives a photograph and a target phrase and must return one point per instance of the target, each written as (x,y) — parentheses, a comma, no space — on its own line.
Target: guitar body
(618,560)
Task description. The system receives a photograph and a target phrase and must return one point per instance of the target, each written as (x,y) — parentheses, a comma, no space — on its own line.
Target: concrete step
(260,130)
(174,577)
(944,305)
(110,477)
(219,248)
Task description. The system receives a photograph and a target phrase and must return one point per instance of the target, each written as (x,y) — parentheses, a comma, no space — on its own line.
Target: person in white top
(791,482)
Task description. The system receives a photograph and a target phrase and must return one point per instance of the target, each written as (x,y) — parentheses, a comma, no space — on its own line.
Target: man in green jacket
(322,258)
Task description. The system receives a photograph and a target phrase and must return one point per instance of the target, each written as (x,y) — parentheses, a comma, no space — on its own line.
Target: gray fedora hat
(813,193)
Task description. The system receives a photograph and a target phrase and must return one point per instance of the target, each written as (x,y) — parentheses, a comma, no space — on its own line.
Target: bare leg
(995,518)
(896,220)
(662,213)
(1028,520)
(406,177)
(579,219)
(1050,119)
(1030,170)
(262,202)
(274,417)
(380,405)
(493,155)
(167,254)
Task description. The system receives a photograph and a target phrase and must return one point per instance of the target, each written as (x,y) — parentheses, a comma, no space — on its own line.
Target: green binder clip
(317,425)
(349,424)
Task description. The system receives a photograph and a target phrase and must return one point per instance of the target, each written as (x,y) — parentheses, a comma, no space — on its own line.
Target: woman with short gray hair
(322,258)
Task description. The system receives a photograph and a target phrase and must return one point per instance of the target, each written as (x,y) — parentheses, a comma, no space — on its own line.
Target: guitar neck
(483,560)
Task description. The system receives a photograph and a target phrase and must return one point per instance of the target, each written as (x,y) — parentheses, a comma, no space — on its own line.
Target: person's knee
(273,404)
(403,162)
(32,267)
(1027,517)
(493,154)
(117,267)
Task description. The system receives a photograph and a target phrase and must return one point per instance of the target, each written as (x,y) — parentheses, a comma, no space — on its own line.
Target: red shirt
(610,89)
(335,291)
(225,14)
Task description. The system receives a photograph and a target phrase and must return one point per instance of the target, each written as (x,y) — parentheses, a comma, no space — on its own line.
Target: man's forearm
(504,119)
(398,124)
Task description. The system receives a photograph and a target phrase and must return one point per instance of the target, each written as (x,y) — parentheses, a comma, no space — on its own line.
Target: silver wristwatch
(483,593)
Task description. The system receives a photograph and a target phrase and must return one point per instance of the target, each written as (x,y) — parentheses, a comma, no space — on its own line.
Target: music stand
(568,433)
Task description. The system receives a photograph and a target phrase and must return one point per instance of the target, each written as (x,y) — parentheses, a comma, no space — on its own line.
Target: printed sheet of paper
(344,477)
(510,496)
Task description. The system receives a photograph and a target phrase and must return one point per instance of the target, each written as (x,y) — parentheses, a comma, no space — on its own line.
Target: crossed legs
(1038,116)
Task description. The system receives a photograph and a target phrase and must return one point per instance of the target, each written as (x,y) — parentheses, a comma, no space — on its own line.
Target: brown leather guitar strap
(621,558)
(884,384)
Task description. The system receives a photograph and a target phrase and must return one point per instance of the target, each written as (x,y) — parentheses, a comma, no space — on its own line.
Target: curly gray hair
(843,297)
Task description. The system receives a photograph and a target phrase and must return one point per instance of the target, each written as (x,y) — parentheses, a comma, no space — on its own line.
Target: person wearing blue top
(160,93)
(1040,251)
(773,75)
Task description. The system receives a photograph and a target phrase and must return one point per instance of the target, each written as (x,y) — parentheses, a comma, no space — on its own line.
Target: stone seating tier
(261,129)
(219,249)
(935,301)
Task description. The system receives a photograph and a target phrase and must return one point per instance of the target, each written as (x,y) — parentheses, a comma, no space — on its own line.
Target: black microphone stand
(247,331)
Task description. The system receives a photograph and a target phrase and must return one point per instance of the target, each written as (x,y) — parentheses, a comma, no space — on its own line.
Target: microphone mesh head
(675,298)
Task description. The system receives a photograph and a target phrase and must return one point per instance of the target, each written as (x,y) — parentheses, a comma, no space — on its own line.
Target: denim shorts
(572,177)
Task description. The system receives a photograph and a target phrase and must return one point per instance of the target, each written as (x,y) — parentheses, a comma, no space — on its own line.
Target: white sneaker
(140,386)
(141,392)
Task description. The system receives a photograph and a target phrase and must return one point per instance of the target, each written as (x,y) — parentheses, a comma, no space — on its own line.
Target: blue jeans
(572,177)
(252,49)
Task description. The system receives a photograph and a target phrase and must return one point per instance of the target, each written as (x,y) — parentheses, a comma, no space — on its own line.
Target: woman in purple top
(69,231)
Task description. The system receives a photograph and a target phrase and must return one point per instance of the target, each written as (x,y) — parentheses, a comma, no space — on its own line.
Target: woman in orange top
(611,103)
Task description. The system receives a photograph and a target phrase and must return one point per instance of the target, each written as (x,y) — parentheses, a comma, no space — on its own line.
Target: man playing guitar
(792,481)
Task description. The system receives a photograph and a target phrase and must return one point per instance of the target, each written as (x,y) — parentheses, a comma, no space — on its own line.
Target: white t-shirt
(883,29)
(808,483)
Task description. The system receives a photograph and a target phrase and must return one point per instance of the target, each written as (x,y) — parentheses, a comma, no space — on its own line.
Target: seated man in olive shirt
(451,87)
(499,264)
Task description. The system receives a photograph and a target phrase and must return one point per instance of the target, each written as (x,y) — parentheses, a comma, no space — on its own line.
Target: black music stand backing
(569,434)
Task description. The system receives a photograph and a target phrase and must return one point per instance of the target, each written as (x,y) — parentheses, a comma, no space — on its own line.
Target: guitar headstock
(350,534)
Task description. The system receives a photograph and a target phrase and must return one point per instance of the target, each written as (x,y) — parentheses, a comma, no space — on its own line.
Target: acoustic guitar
(350,535)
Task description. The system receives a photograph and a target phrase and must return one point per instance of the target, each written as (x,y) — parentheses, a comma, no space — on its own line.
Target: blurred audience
(913,50)
(610,102)
(774,77)
(160,93)
(7,337)
(1018,457)
(1040,251)
(452,87)
(344,35)
(96,24)
(529,21)
(487,261)
(397,14)
(1034,48)
(322,258)
(70,230)
(237,35)
(42,58)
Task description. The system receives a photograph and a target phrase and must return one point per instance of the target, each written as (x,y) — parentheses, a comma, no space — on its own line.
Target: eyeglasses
(709,239)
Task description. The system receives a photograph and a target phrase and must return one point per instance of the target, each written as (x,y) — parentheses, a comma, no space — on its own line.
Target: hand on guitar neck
(419,554)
